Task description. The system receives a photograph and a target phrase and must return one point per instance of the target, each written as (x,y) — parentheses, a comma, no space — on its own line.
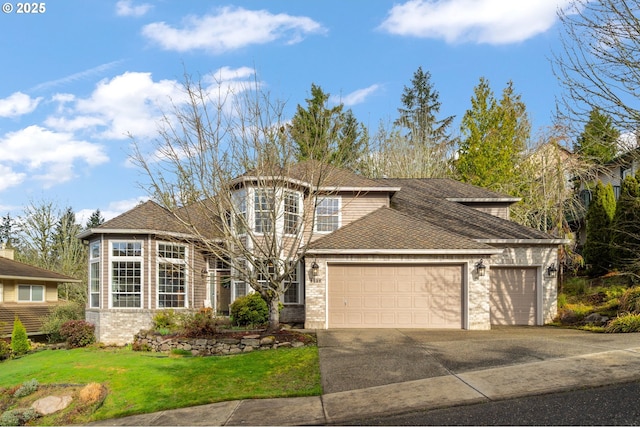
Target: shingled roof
(10,269)
(31,316)
(448,189)
(387,229)
(456,217)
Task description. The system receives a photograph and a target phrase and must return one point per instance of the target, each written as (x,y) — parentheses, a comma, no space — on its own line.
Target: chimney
(6,252)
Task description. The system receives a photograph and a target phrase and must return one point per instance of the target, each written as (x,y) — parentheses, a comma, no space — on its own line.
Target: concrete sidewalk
(601,360)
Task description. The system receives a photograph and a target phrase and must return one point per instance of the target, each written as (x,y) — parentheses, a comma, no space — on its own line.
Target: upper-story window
(264,210)
(240,206)
(291,212)
(172,276)
(328,214)
(126,274)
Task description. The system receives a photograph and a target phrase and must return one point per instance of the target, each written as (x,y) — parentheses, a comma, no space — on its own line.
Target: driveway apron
(352,359)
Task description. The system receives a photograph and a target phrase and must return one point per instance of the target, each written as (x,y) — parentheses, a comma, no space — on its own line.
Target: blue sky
(82,75)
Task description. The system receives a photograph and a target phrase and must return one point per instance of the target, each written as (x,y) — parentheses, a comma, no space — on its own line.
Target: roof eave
(93,231)
(524,241)
(487,251)
(484,199)
(41,279)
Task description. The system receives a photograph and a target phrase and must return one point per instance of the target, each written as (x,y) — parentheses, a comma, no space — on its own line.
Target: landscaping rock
(51,404)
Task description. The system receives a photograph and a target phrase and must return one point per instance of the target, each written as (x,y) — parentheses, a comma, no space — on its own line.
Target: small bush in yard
(249,310)
(18,417)
(27,388)
(19,341)
(165,320)
(630,300)
(5,350)
(60,315)
(628,322)
(200,323)
(78,333)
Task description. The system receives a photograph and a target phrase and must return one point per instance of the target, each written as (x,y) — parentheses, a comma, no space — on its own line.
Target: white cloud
(357,96)
(475,21)
(10,178)
(48,156)
(18,104)
(230,29)
(126,8)
(112,210)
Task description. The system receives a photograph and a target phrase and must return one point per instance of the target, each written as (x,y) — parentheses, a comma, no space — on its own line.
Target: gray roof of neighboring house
(10,269)
(388,229)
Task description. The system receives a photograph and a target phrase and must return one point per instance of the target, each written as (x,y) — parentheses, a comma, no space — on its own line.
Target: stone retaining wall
(145,341)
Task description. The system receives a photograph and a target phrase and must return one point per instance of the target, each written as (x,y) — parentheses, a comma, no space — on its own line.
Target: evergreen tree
(19,341)
(7,231)
(96,219)
(321,132)
(597,247)
(598,141)
(495,135)
(626,225)
(420,106)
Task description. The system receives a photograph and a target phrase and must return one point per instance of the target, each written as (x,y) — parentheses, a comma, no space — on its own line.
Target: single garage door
(395,296)
(513,296)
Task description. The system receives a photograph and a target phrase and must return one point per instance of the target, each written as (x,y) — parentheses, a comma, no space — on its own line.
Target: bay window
(172,279)
(126,274)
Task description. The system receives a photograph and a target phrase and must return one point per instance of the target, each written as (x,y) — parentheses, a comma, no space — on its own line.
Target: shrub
(628,322)
(562,300)
(630,300)
(78,333)
(249,310)
(200,323)
(19,341)
(27,388)
(18,417)
(5,350)
(59,315)
(91,393)
(165,320)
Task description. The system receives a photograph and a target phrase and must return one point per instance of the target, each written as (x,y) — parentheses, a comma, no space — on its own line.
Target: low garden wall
(148,341)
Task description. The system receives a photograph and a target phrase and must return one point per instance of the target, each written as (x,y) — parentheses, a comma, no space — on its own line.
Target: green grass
(140,382)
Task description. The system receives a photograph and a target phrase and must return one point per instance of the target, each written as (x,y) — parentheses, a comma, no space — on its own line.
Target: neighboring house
(27,292)
(408,253)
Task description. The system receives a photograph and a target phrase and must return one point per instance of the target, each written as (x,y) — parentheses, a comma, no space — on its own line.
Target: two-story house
(383,253)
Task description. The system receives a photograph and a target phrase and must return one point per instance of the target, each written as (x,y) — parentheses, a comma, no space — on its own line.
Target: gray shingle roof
(456,217)
(445,188)
(388,229)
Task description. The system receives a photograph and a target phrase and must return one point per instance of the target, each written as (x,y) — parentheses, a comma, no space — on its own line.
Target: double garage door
(422,296)
(395,296)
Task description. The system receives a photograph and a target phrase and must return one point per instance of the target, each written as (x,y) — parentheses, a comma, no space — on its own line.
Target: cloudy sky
(79,77)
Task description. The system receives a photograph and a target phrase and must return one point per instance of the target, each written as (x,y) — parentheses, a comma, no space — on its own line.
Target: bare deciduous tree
(225,168)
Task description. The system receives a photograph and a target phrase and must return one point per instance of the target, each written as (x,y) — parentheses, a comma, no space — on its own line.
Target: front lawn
(141,382)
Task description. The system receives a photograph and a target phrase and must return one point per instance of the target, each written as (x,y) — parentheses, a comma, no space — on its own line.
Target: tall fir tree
(625,248)
(597,247)
(326,132)
(598,141)
(418,114)
(96,219)
(494,138)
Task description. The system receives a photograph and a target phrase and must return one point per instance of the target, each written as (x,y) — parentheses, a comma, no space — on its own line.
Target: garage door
(395,296)
(513,296)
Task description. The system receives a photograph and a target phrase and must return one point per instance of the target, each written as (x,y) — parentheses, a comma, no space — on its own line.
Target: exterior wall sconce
(552,270)
(481,269)
(315,270)
(204,272)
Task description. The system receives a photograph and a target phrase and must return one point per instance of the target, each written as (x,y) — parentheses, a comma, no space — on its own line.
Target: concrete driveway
(352,359)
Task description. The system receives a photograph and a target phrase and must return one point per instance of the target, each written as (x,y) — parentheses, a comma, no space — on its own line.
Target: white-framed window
(126,274)
(327,214)
(31,293)
(263,210)
(240,206)
(291,212)
(240,287)
(94,274)
(292,293)
(265,269)
(172,275)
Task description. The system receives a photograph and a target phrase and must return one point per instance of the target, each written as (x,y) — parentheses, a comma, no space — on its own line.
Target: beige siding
(10,289)
(495,209)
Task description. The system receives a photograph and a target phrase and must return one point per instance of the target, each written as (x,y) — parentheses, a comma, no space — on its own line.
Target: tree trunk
(274,314)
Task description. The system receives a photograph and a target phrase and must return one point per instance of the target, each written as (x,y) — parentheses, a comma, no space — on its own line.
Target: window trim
(172,261)
(298,214)
(31,300)
(134,258)
(272,213)
(298,272)
(94,259)
(339,214)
